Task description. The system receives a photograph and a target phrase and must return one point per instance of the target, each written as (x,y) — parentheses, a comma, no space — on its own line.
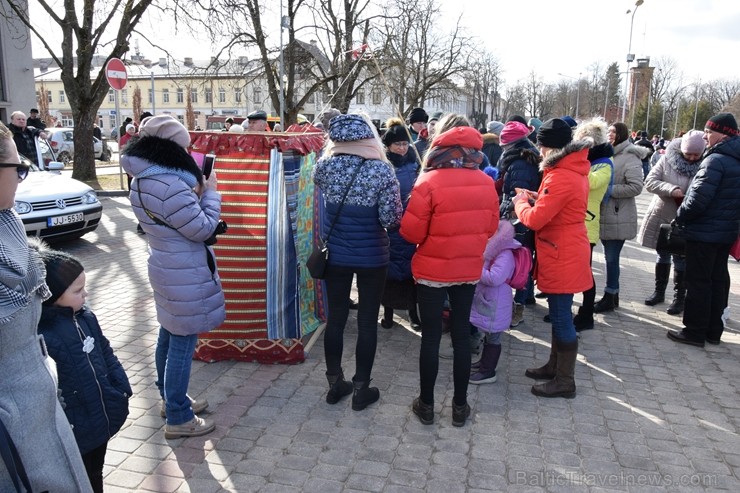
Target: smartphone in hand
(209,162)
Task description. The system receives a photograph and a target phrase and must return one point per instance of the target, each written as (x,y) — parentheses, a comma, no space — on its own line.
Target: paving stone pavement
(650,415)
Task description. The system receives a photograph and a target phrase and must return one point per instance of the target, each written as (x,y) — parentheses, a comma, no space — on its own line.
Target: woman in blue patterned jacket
(362,199)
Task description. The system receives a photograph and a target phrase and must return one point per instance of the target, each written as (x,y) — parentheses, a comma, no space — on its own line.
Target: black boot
(607,304)
(662,272)
(387,321)
(584,320)
(679,293)
(364,395)
(546,372)
(338,388)
(564,383)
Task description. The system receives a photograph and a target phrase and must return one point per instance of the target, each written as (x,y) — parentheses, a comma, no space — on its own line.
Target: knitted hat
(165,127)
(495,127)
(570,121)
(130,126)
(692,142)
(418,115)
(723,123)
(435,116)
(348,128)
(395,133)
(513,131)
(61,271)
(555,133)
(517,118)
(535,123)
(327,115)
(459,136)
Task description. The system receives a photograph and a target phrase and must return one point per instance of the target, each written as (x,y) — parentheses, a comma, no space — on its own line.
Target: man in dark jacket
(34,120)
(25,136)
(709,215)
(491,143)
(644,142)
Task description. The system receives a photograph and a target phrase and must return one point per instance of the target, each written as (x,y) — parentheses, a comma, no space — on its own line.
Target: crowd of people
(400,228)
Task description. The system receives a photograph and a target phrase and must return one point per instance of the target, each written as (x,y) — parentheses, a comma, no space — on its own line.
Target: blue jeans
(612,250)
(370,285)
(560,306)
(431,303)
(173,358)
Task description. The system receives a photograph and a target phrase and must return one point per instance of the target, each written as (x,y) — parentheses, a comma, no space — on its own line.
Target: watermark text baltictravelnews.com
(566,478)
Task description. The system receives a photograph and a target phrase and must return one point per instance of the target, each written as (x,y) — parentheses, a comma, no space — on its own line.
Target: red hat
(513,131)
(459,136)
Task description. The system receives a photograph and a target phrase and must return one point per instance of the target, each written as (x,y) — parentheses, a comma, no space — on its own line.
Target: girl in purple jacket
(492,302)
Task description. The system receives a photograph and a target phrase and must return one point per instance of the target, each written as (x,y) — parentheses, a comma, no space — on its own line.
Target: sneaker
(480,377)
(193,428)
(198,406)
(460,414)
(425,412)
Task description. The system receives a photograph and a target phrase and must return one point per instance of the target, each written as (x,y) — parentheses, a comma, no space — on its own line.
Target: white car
(62,142)
(55,207)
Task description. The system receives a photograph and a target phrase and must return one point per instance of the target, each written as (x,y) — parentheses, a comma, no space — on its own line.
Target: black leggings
(94,461)
(431,303)
(370,285)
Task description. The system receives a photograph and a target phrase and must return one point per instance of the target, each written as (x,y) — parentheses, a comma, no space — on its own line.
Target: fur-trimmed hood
(574,146)
(489,138)
(521,149)
(502,240)
(157,151)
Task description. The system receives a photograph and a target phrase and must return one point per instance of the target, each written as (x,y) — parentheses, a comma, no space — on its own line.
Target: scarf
(678,163)
(453,157)
(21,269)
(365,148)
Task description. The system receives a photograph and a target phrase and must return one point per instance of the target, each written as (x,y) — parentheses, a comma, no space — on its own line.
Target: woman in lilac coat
(179,211)
(491,310)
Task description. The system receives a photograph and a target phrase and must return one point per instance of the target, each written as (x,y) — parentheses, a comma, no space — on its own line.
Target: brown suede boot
(546,372)
(564,383)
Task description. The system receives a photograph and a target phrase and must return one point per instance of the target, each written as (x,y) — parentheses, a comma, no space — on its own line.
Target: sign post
(115,72)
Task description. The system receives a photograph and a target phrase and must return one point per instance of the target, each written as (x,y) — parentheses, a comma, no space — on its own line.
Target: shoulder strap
(148,212)
(341,204)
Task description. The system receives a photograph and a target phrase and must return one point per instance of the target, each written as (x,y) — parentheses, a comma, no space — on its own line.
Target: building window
(377,96)
(312,98)
(111,96)
(360,96)
(257,96)
(209,95)
(221,95)
(151,96)
(67,121)
(124,96)
(180,95)
(165,95)
(181,119)
(112,121)
(194,95)
(48,97)
(238,95)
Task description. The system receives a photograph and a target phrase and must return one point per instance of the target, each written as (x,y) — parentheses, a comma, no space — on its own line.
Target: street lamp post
(630,56)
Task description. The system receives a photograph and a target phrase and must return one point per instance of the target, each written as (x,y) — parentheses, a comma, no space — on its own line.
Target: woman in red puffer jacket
(556,214)
(452,212)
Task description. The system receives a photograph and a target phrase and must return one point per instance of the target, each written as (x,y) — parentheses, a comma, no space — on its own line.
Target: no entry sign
(115,72)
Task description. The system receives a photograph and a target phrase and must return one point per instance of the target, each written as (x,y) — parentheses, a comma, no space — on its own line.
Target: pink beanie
(513,131)
(692,142)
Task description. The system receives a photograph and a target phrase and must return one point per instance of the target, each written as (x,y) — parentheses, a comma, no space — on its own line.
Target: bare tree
(84,27)
(43,104)
(418,58)
(482,81)
(136,102)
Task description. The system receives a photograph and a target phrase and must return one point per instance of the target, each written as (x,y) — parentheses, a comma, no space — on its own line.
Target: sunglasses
(22,169)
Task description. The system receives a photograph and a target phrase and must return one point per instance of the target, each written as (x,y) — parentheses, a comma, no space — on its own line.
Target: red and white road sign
(115,72)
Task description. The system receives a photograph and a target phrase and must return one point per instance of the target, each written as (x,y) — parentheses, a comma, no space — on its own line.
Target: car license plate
(68,219)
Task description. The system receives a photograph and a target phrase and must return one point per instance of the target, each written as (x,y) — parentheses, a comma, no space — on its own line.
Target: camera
(221,228)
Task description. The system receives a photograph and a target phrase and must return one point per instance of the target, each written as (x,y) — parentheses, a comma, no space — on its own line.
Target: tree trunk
(84,157)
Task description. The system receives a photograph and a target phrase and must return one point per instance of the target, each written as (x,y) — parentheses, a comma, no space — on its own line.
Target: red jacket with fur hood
(450,216)
(557,217)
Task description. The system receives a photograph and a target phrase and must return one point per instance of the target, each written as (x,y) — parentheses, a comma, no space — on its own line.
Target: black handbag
(671,239)
(319,258)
